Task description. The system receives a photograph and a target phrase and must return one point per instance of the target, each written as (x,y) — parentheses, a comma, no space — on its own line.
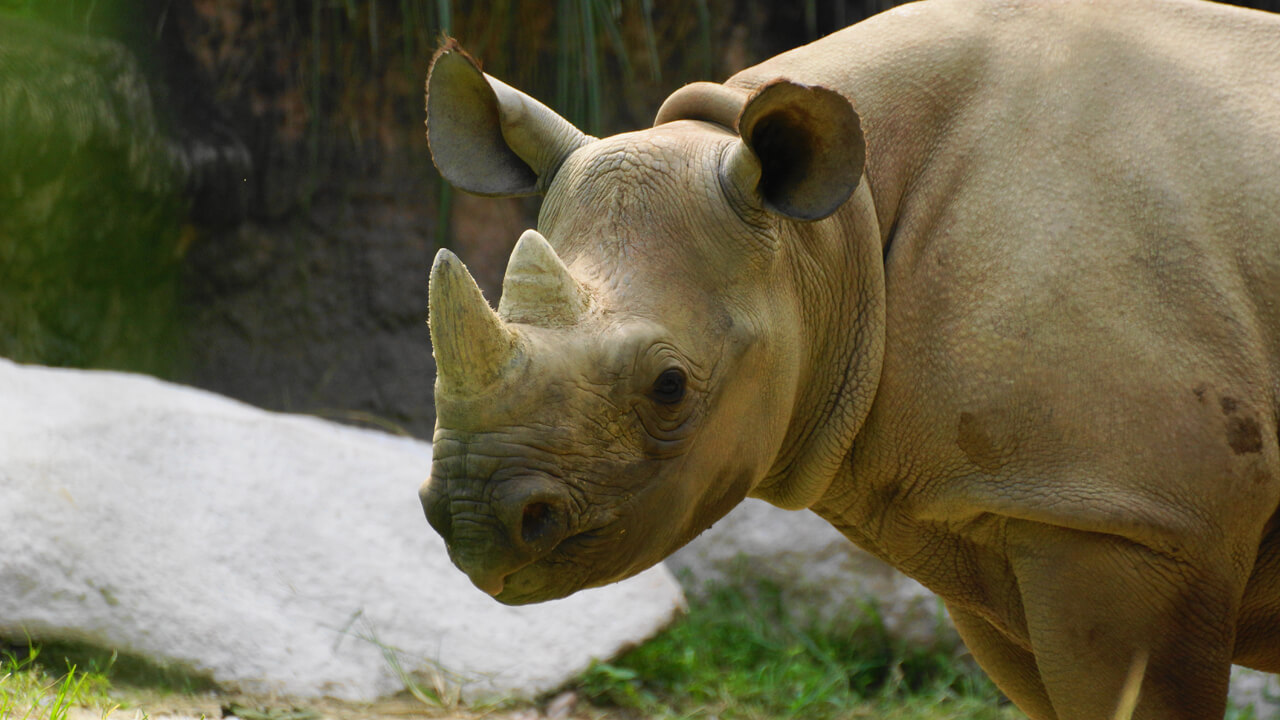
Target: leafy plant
(89,208)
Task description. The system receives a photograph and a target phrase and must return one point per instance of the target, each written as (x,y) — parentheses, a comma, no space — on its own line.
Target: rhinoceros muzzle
(494,517)
(521,522)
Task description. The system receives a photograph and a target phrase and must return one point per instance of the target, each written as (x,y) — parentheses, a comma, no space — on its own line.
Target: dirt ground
(152,706)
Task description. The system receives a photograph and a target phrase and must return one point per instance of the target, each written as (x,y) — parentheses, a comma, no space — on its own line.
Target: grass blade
(651,41)
(444,10)
(704,24)
(1132,687)
(610,22)
(591,65)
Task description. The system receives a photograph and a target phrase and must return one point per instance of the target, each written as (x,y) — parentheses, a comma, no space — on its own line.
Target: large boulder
(275,553)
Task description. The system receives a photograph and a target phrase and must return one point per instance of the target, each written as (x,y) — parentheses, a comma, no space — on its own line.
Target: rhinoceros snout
(524,520)
(435,503)
(535,515)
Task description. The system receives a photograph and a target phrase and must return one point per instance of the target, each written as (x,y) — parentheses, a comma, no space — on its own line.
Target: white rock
(818,569)
(276,553)
(1257,690)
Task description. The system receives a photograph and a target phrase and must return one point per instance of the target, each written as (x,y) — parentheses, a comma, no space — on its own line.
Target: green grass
(1235,713)
(43,681)
(35,675)
(740,654)
(123,669)
(32,690)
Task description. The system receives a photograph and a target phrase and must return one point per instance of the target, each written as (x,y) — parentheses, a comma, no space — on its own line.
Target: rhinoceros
(993,286)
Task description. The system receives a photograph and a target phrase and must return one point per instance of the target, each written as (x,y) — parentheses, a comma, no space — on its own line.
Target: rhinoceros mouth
(571,566)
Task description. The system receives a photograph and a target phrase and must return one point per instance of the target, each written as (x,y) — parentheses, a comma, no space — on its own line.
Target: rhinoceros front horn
(471,345)
(538,288)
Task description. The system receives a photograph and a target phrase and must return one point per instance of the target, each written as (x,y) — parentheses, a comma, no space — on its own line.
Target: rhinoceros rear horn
(802,150)
(538,288)
(488,138)
(472,347)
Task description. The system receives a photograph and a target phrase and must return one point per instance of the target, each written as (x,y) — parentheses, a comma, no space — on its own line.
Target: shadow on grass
(121,669)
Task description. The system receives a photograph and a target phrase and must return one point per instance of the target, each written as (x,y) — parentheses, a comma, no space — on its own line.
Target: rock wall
(304,290)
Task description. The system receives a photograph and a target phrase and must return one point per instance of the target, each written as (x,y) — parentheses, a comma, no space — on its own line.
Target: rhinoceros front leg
(1258,637)
(1094,603)
(1012,668)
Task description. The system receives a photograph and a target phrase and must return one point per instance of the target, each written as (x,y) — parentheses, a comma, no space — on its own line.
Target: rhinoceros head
(641,373)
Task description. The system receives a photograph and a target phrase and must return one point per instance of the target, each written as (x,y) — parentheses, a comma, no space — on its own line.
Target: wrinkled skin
(1029,354)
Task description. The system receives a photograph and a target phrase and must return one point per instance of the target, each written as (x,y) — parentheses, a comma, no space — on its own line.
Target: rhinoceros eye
(668,389)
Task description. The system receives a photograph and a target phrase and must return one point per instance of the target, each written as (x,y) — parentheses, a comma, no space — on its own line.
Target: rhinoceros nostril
(536,522)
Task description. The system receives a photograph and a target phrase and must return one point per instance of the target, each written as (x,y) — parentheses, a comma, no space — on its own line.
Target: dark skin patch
(1199,391)
(1244,435)
(979,446)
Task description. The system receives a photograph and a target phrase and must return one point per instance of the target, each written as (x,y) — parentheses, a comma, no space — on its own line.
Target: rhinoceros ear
(488,138)
(806,149)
